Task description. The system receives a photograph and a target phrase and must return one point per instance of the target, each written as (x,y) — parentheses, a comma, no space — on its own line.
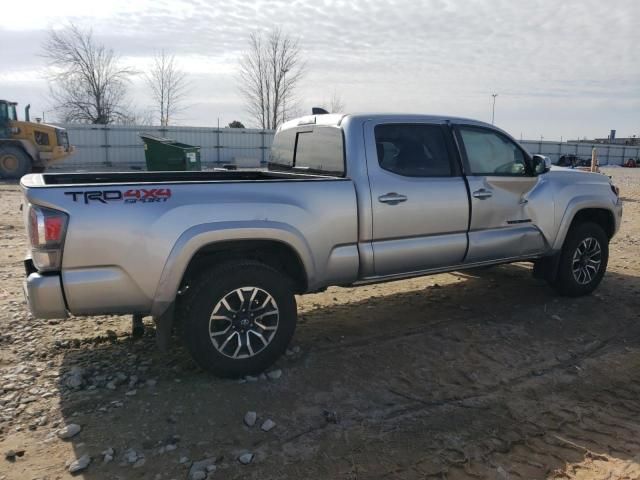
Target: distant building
(611,140)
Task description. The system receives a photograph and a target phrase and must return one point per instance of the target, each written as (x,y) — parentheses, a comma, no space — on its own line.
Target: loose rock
(274,374)
(131,456)
(201,467)
(80,464)
(12,454)
(246,458)
(267,425)
(107,455)
(250,418)
(69,431)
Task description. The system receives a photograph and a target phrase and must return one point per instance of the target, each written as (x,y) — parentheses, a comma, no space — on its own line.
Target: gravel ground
(483,374)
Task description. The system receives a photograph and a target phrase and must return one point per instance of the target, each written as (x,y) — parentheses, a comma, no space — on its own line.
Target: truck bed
(110,178)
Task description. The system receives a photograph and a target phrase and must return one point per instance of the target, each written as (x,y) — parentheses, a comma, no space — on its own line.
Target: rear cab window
(317,150)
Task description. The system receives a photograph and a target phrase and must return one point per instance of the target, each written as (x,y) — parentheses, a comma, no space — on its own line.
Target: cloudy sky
(561,68)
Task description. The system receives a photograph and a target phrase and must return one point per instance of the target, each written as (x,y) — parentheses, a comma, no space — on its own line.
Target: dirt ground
(483,374)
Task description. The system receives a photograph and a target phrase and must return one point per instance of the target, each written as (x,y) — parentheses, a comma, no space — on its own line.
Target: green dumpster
(165,154)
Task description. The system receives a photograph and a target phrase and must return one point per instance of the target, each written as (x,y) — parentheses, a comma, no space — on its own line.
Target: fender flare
(199,236)
(577,204)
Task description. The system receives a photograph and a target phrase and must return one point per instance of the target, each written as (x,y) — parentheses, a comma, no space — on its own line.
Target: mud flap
(164,326)
(546,268)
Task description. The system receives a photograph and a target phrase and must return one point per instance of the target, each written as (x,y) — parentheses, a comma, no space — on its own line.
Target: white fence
(607,154)
(119,147)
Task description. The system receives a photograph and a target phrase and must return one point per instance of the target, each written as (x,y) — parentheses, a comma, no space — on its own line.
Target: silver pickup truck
(347,200)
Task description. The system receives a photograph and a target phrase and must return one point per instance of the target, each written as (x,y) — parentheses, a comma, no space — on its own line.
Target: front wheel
(583,260)
(14,162)
(238,318)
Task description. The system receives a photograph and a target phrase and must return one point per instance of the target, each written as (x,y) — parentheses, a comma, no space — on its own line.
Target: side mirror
(541,164)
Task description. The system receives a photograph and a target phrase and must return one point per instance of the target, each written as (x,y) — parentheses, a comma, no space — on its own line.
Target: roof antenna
(318,111)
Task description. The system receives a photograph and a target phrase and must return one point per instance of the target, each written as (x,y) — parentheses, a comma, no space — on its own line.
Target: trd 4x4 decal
(138,195)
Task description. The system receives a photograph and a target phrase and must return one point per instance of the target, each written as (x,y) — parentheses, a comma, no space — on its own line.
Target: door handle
(482,194)
(392,198)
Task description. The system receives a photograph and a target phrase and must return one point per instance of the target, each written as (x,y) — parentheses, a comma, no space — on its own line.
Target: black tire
(576,285)
(207,292)
(14,162)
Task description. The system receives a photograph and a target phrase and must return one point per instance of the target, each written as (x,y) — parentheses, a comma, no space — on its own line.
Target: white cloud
(561,68)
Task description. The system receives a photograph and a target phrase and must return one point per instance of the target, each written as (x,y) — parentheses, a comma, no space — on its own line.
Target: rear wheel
(14,162)
(238,318)
(583,260)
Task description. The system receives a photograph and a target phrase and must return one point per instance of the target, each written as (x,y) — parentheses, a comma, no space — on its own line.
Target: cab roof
(335,119)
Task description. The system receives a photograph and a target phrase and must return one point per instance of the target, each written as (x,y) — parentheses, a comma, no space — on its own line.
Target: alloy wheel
(244,322)
(586,261)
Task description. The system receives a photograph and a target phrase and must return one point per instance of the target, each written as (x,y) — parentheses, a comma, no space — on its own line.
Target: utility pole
(493,108)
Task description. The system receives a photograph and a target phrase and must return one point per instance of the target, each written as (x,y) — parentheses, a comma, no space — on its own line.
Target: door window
(413,150)
(489,153)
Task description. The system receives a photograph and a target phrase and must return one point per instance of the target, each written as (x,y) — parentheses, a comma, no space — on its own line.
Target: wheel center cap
(244,322)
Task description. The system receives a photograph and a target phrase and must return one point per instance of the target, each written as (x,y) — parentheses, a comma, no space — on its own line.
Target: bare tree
(335,103)
(88,84)
(168,86)
(135,116)
(270,71)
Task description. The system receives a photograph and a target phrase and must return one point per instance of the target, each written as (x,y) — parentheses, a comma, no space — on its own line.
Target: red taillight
(53,228)
(46,228)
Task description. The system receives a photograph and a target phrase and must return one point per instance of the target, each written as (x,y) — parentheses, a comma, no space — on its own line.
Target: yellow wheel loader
(27,146)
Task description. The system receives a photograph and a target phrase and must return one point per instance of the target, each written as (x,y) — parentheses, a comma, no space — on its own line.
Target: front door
(419,200)
(502,225)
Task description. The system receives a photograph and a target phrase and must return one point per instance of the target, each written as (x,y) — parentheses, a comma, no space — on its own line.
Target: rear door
(419,198)
(500,183)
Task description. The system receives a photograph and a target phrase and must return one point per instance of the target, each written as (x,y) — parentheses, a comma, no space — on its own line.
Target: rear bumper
(44,296)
